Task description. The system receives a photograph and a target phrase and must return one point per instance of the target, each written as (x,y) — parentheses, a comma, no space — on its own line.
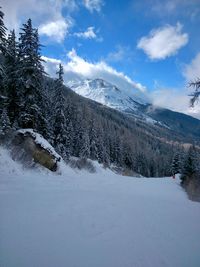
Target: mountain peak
(109,94)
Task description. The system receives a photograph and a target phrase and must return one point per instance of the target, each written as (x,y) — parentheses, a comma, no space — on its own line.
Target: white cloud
(17,12)
(54,61)
(100,70)
(175,99)
(78,68)
(88,34)
(93,5)
(192,70)
(51,65)
(163,42)
(57,30)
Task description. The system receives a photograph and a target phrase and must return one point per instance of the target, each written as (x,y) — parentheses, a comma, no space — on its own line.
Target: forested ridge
(75,126)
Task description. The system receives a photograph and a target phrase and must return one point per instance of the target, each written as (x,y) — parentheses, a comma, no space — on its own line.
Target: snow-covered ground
(78,219)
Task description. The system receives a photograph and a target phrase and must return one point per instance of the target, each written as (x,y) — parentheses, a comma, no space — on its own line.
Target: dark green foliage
(4,125)
(10,81)
(59,120)
(2,50)
(190,165)
(190,177)
(30,79)
(176,164)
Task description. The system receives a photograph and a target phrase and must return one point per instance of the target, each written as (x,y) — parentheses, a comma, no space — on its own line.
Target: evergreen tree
(2,49)
(4,124)
(93,141)
(85,146)
(190,165)
(105,151)
(100,144)
(30,78)
(176,164)
(141,164)
(128,161)
(60,134)
(69,138)
(69,128)
(11,62)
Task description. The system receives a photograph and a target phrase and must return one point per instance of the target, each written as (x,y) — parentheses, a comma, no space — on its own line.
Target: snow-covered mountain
(135,103)
(110,95)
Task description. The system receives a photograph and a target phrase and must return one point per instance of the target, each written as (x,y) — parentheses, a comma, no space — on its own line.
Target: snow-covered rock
(36,148)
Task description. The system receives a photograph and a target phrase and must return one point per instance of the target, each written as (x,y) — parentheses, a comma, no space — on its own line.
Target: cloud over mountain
(77,68)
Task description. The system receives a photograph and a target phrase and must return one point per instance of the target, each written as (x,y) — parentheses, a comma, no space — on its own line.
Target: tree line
(75,126)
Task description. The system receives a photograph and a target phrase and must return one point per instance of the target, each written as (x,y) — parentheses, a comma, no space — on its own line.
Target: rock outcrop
(30,146)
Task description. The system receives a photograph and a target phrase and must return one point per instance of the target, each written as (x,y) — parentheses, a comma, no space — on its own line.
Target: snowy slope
(132,102)
(108,94)
(94,220)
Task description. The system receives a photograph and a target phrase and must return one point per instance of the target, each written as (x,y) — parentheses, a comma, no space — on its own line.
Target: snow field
(77,219)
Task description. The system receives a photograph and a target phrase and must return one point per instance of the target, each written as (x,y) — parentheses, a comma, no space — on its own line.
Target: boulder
(32,147)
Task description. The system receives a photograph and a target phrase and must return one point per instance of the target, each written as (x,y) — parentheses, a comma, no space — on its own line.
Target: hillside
(136,103)
(176,121)
(102,219)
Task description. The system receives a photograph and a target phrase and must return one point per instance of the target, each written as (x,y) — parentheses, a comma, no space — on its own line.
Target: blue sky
(153,45)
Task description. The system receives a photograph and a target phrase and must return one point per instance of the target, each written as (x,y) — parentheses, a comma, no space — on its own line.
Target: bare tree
(195,95)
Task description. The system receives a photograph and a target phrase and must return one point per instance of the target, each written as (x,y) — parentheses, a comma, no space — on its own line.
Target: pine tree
(60,134)
(4,124)
(10,81)
(100,145)
(190,165)
(2,49)
(105,152)
(30,78)
(76,118)
(69,128)
(85,146)
(69,138)
(48,110)
(141,164)
(94,155)
(176,164)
